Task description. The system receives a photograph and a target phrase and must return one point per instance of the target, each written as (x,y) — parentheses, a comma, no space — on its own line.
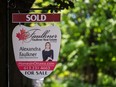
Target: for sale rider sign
(36,49)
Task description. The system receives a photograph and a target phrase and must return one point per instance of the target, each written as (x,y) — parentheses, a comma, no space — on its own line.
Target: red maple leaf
(22,35)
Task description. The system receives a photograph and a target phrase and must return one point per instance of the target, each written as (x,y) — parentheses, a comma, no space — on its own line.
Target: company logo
(33,35)
(22,35)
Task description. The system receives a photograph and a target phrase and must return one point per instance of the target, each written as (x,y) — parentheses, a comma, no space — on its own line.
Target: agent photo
(47,53)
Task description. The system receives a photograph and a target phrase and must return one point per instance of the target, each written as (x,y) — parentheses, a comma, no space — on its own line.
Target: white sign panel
(36,49)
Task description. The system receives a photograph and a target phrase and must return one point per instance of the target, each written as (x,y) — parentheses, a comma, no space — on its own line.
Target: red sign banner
(36,65)
(25,17)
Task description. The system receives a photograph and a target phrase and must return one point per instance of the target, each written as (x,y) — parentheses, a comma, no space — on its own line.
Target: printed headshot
(47,53)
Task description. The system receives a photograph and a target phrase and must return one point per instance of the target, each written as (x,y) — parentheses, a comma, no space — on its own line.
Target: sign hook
(19,22)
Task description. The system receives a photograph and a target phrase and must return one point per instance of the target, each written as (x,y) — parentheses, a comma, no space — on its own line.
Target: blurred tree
(89,31)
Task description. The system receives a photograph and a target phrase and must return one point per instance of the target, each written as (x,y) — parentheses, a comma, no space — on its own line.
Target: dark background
(3,48)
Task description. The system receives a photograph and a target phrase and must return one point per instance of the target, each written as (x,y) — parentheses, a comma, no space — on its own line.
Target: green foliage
(88,47)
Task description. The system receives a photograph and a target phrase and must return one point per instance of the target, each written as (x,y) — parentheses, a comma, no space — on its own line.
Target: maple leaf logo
(22,35)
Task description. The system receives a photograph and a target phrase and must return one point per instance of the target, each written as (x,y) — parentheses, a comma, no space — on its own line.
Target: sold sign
(36,48)
(25,17)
